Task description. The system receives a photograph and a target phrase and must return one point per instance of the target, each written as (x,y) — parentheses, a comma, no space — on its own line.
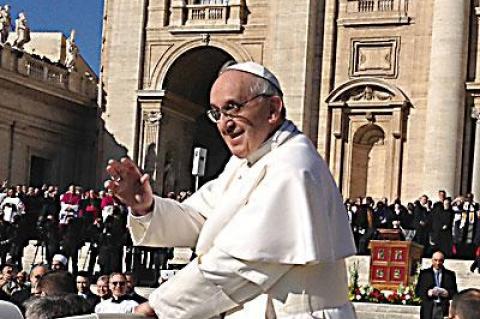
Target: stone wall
(48,127)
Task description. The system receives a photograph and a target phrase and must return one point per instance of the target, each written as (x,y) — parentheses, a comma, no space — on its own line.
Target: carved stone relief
(367,93)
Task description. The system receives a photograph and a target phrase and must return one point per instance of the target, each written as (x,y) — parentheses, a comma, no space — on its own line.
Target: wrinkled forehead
(438,257)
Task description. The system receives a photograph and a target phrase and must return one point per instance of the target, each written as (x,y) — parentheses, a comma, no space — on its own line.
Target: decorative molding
(206,38)
(374,57)
(369,92)
(236,50)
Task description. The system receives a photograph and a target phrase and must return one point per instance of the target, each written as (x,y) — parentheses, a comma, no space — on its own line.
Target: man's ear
(276,106)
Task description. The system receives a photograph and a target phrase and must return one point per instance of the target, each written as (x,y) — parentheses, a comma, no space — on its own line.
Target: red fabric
(107,200)
(91,209)
(477,253)
(454,249)
(70,198)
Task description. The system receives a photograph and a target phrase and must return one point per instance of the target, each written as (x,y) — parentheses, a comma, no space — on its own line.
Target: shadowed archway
(184,122)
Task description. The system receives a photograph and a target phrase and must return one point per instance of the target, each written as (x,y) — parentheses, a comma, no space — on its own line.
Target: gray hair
(466,304)
(50,307)
(262,86)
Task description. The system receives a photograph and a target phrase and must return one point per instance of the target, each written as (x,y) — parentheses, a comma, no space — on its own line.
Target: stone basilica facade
(388,90)
(48,114)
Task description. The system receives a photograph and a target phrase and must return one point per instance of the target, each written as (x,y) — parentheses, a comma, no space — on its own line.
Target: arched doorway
(184,125)
(368,162)
(368,129)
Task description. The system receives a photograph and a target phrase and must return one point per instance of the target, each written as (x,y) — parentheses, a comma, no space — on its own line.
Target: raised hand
(130,186)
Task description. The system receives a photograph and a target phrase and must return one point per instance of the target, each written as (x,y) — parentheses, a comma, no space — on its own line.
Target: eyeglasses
(231,109)
(118,283)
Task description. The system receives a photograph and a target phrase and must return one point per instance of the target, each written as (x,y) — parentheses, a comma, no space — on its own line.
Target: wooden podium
(393,263)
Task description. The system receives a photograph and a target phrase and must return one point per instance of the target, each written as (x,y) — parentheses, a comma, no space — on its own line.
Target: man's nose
(227,123)
(230,125)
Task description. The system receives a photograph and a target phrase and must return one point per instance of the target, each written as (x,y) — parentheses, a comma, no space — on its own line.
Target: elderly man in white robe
(271,232)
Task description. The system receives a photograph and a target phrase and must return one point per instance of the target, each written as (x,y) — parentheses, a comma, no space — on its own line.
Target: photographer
(93,234)
(72,240)
(49,236)
(111,243)
(18,240)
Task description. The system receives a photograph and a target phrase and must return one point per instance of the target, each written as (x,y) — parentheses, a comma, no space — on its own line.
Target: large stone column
(446,96)
(476,155)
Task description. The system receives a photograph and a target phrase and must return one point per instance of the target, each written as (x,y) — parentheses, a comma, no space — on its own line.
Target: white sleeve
(170,224)
(220,283)
(241,280)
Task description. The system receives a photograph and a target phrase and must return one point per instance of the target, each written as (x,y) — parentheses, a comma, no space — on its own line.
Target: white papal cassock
(271,233)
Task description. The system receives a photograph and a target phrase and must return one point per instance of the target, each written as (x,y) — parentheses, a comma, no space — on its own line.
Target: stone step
(366,310)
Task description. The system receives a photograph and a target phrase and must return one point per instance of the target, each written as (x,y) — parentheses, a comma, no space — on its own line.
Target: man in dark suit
(436,286)
(83,289)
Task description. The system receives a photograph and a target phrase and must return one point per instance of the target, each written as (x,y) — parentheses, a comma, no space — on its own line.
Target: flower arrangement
(402,296)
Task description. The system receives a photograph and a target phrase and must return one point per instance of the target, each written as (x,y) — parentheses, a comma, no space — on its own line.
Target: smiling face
(118,285)
(103,290)
(254,122)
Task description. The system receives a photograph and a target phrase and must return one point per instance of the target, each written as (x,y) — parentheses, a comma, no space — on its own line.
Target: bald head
(438,258)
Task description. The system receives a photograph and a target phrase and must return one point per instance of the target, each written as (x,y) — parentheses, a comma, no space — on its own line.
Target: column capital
(477,12)
(152,117)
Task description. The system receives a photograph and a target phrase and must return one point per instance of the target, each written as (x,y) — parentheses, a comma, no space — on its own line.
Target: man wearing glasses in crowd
(270,232)
(119,302)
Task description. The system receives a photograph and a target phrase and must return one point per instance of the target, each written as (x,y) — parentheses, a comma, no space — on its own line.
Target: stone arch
(183,99)
(163,66)
(368,162)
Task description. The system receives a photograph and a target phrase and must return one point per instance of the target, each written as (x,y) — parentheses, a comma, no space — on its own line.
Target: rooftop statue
(22,30)
(71,52)
(5,23)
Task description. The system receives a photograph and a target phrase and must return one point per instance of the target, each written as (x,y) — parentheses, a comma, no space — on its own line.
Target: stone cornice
(21,80)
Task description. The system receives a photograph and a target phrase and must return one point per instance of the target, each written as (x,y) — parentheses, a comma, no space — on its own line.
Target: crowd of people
(61,224)
(448,225)
(52,292)
(64,223)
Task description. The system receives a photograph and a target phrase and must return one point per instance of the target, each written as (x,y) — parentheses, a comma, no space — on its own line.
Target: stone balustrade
(201,14)
(213,16)
(46,72)
(365,6)
(357,12)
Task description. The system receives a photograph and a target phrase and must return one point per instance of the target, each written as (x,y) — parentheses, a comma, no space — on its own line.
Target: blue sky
(85,16)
